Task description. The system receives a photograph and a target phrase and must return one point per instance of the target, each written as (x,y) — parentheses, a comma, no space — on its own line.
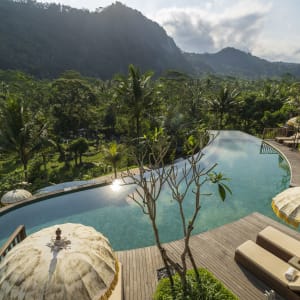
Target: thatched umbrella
(286,205)
(76,264)
(15,196)
(294,122)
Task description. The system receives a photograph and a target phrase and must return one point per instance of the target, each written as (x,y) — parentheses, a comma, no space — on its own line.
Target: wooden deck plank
(213,250)
(293,157)
(219,260)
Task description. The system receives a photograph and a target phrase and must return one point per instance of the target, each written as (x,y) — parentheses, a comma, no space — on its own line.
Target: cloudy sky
(266,28)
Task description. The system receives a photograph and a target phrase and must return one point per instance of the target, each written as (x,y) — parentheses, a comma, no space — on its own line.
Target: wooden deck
(213,250)
(293,156)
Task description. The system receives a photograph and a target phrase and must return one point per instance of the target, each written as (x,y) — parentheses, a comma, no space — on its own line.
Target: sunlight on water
(116,185)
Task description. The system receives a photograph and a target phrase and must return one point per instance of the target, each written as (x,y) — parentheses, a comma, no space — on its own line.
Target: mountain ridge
(230,61)
(46,39)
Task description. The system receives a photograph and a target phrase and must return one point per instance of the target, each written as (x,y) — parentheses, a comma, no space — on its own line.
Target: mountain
(47,39)
(233,62)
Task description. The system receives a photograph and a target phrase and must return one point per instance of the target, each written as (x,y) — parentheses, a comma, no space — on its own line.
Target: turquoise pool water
(255,179)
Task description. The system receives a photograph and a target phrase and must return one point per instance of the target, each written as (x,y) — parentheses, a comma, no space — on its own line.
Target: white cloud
(285,50)
(201,30)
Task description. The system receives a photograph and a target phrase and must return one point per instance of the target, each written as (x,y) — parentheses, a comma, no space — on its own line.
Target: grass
(211,288)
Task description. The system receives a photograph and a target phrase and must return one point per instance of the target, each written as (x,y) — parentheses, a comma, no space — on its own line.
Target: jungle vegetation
(76,127)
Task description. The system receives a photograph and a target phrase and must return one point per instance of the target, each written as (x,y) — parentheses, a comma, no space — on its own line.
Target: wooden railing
(271,133)
(18,236)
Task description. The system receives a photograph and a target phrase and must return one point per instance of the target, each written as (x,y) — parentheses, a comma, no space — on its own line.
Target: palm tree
(19,133)
(113,155)
(223,103)
(136,95)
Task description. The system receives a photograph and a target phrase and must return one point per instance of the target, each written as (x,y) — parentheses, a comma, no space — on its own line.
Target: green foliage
(72,105)
(134,95)
(78,147)
(41,119)
(20,132)
(218,178)
(210,289)
(113,154)
(196,141)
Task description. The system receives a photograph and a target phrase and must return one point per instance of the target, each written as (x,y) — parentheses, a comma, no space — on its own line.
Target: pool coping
(97,182)
(48,195)
(293,159)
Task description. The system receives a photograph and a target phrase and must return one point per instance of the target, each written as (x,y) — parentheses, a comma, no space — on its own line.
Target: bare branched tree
(149,184)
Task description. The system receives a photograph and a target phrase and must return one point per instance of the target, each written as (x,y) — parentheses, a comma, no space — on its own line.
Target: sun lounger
(291,143)
(279,243)
(268,268)
(281,139)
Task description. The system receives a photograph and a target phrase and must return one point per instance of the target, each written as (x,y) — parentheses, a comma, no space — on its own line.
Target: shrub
(210,289)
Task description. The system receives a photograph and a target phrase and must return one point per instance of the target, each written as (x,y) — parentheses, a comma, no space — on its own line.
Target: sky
(265,28)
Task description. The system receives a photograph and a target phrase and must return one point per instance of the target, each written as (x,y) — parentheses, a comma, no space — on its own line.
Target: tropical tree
(191,177)
(78,147)
(72,105)
(294,98)
(135,96)
(113,155)
(223,103)
(20,131)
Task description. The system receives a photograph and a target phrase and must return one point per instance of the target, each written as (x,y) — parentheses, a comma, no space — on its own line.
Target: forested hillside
(233,62)
(47,39)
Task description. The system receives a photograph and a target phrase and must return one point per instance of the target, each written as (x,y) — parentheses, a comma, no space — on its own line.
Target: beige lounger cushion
(268,268)
(279,243)
(294,287)
(281,139)
(264,260)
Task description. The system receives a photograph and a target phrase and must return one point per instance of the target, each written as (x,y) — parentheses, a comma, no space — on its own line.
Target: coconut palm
(113,155)
(222,104)
(135,94)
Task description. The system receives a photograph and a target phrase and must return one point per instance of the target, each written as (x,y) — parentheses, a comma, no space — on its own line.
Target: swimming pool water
(254,179)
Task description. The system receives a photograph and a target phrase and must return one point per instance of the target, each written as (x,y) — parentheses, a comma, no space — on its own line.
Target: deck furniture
(291,143)
(282,139)
(279,243)
(268,268)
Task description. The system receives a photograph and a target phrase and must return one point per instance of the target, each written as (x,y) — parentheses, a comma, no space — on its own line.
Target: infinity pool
(255,179)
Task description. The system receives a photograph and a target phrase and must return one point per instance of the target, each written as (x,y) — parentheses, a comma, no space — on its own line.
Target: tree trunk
(25,171)
(24,160)
(44,161)
(162,252)
(138,126)
(115,170)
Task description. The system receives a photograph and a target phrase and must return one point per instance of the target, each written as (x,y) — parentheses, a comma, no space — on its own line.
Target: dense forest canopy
(46,39)
(76,127)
